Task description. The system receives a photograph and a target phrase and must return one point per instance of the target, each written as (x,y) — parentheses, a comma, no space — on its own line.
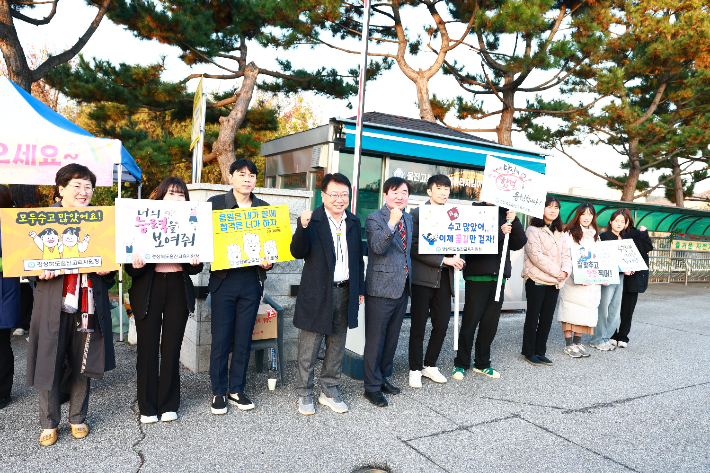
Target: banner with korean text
(451,229)
(69,240)
(246,237)
(163,231)
(514,187)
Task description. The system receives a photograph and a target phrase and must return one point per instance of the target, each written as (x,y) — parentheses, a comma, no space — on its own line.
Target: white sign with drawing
(629,257)
(597,263)
(163,231)
(464,229)
(514,187)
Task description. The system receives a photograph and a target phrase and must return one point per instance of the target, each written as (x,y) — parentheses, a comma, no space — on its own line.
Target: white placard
(514,187)
(163,231)
(597,263)
(464,229)
(629,257)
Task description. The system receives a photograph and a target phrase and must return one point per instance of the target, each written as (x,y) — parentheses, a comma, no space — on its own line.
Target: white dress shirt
(340,247)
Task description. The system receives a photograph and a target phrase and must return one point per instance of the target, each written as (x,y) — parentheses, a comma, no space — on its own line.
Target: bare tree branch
(32,21)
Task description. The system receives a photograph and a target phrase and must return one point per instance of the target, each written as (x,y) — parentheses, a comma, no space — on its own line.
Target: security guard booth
(393,146)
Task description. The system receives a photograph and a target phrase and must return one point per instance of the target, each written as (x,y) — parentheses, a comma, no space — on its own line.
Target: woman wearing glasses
(162,296)
(71,318)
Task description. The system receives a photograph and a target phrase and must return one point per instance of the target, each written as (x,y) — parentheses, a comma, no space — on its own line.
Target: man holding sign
(481,308)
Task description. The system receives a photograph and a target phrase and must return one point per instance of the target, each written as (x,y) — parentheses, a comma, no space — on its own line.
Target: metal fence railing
(667,265)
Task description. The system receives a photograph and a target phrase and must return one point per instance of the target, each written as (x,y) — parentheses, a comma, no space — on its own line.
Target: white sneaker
(168,416)
(572,351)
(415,379)
(18,332)
(610,345)
(622,344)
(149,419)
(432,372)
(601,346)
(613,342)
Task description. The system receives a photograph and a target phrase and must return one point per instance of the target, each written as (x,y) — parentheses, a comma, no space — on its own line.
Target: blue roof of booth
(408,137)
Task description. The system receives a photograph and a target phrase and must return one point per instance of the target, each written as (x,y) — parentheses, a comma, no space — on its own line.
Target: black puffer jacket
(638,282)
(484,265)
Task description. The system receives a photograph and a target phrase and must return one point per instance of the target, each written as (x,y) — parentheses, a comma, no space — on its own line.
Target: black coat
(314,244)
(143,282)
(638,282)
(227,201)
(488,265)
(426,268)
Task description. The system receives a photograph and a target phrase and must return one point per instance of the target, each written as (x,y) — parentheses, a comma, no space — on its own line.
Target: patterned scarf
(78,291)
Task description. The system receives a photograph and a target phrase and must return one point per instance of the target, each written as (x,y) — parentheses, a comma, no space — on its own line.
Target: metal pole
(120,271)
(456,307)
(502,264)
(199,149)
(140,188)
(360,104)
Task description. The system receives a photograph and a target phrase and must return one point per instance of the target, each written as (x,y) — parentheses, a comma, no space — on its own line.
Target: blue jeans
(609,312)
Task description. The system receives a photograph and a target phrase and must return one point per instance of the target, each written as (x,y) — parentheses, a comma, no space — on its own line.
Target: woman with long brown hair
(162,296)
(579,303)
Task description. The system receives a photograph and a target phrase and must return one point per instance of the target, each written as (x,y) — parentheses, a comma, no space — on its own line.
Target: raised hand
(395,216)
(306,217)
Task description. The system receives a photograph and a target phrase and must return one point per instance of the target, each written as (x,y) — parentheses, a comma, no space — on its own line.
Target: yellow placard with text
(246,237)
(69,240)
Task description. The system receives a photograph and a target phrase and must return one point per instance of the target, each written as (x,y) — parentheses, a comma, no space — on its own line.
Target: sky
(392,93)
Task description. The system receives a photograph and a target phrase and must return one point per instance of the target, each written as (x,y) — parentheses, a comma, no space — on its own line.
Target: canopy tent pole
(120,272)
(140,188)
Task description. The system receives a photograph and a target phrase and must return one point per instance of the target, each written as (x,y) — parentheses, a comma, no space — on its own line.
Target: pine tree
(651,76)
(16,60)
(216,32)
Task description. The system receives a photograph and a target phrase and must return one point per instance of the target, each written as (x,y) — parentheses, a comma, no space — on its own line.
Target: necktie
(403,236)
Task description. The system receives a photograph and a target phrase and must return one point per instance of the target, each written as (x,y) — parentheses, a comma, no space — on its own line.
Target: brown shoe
(50,438)
(80,431)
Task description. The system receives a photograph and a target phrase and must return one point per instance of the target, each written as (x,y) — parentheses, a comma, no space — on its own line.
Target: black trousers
(26,303)
(426,301)
(482,311)
(7,363)
(159,391)
(383,321)
(628,304)
(538,318)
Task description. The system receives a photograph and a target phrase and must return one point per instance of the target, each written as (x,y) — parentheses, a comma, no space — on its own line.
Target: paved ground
(644,408)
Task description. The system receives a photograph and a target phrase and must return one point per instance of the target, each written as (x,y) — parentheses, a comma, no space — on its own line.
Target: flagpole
(360,104)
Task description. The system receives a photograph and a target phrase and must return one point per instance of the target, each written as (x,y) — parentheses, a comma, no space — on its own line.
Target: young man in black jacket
(481,309)
(432,287)
(236,294)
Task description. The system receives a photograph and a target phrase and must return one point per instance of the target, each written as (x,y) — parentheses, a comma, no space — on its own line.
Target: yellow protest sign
(70,240)
(246,237)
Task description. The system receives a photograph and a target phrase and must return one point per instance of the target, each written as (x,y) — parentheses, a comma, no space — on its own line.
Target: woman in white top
(579,303)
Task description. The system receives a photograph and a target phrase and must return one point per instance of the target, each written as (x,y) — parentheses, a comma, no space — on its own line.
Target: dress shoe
(388,388)
(376,398)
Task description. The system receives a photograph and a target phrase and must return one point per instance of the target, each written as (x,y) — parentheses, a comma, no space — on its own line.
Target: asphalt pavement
(641,409)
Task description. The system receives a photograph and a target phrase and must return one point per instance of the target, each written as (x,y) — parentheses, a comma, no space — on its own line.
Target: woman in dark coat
(162,296)
(60,329)
(635,284)
(9,315)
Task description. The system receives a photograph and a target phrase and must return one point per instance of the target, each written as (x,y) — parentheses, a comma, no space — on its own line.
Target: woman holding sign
(579,303)
(546,266)
(162,296)
(634,284)
(71,318)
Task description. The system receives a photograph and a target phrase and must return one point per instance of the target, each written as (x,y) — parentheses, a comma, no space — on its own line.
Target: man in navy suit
(332,288)
(389,241)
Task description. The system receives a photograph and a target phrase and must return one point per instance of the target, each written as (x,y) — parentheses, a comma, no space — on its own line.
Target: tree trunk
(223,147)
(678,184)
(505,127)
(425,111)
(627,194)
(18,70)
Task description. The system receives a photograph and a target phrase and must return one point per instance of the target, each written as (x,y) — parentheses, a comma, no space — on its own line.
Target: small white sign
(463,229)
(163,231)
(514,187)
(629,257)
(596,264)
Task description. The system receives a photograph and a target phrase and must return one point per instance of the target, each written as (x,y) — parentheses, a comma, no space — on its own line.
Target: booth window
(317,179)
(294,181)
(369,194)
(465,183)
(270,182)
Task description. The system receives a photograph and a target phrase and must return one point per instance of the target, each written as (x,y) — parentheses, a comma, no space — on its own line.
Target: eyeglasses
(335,196)
(78,189)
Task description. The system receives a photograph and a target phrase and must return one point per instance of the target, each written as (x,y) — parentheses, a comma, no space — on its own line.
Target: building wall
(197,342)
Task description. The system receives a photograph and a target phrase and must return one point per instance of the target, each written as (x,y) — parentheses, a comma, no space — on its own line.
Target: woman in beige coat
(579,303)
(546,266)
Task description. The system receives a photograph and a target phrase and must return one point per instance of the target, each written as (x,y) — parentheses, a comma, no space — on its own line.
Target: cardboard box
(265,326)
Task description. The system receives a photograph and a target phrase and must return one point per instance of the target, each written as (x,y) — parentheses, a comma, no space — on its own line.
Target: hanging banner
(596,264)
(163,231)
(449,229)
(69,240)
(685,245)
(246,237)
(629,257)
(514,187)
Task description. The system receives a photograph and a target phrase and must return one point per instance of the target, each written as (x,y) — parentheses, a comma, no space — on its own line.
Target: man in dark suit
(389,241)
(332,288)
(433,281)
(236,294)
